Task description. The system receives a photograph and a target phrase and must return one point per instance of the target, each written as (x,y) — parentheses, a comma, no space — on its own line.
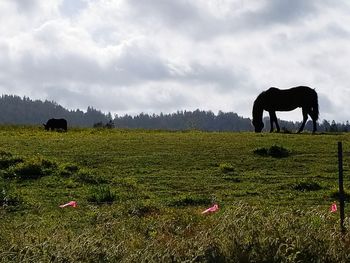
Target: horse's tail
(315,111)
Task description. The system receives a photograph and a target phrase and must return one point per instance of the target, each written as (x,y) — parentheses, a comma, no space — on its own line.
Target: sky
(152,56)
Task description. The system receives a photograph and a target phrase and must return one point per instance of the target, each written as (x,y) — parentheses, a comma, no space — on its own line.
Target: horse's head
(258,125)
(258,113)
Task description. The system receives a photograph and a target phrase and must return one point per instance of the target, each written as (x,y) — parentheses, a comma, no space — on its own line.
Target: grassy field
(140,195)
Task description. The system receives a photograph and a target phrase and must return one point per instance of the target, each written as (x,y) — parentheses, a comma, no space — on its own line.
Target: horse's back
(295,90)
(289,99)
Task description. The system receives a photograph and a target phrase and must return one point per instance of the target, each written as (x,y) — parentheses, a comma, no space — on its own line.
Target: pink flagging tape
(333,208)
(212,209)
(71,203)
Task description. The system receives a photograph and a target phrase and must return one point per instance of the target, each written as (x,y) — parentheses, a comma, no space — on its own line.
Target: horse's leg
(276,122)
(273,119)
(304,120)
(314,124)
(314,119)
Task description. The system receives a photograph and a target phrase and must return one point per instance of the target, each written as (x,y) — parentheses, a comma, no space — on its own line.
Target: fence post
(341,187)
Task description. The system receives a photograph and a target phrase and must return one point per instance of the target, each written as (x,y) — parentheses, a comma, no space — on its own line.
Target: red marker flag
(212,209)
(71,203)
(333,207)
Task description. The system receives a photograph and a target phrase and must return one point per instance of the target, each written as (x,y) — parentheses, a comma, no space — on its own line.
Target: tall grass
(242,233)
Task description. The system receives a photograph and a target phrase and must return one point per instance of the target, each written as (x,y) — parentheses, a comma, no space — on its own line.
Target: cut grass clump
(32,168)
(226,168)
(278,152)
(86,176)
(12,167)
(274,151)
(102,195)
(190,200)
(7,160)
(142,210)
(68,170)
(306,186)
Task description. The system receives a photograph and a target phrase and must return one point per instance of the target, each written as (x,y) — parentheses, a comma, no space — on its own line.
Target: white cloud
(128,56)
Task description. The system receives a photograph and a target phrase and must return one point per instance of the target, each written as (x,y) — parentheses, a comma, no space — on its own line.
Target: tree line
(17,110)
(23,110)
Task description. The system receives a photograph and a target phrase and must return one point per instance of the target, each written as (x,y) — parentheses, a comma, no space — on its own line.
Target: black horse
(56,124)
(274,99)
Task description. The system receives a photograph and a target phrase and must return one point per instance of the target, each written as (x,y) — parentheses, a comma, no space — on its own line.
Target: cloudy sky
(152,56)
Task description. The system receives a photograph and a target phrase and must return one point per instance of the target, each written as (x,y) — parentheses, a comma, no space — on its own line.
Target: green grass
(140,195)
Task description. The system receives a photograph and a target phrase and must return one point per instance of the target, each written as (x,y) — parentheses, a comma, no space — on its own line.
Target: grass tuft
(226,168)
(306,186)
(101,195)
(274,151)
(68,170)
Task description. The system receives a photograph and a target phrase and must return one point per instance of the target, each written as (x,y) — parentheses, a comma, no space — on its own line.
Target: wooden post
(341,187)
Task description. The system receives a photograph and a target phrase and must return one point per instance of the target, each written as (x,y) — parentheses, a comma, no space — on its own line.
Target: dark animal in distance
(56,124)
(274,99)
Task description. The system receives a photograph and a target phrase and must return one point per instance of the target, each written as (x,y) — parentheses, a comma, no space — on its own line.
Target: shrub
(108,125)
(98,124)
